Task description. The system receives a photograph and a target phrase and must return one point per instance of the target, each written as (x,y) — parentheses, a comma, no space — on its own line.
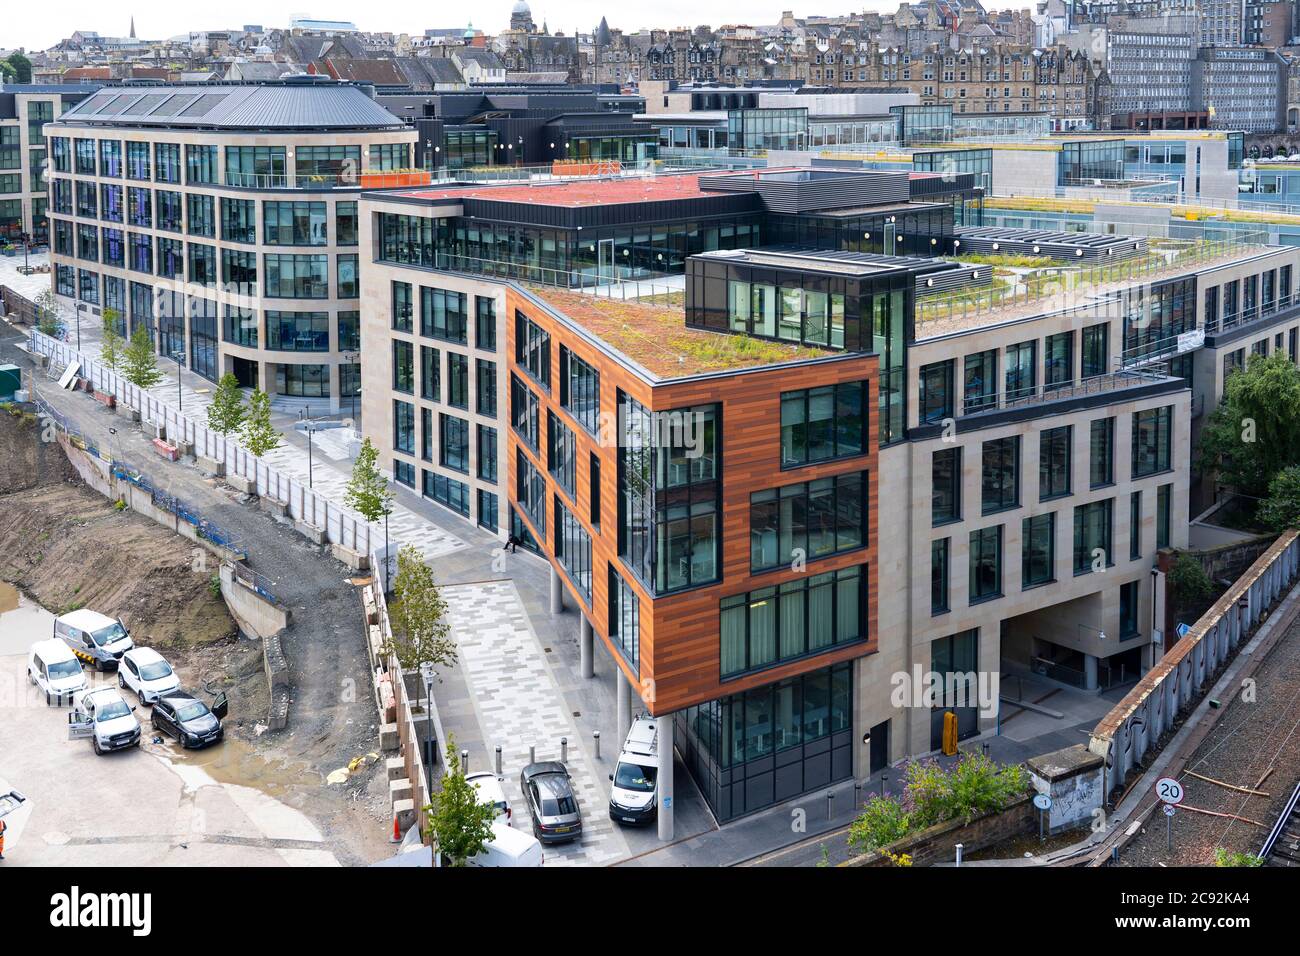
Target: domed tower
(521,18)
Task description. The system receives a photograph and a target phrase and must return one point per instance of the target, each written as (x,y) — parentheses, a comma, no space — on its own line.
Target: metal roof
(310,106)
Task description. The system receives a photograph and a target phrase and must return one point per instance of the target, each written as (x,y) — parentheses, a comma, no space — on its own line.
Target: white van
(54,669)
(94,637)
(509,847)
(634,796)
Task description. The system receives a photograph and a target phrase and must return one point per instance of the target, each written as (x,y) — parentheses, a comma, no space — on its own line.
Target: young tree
(139,364)
(418,614)
(1191,586)
(226,413)
(21,66)
(110,349)
(47,313)
(1281,509)
(367,491)
(1255,431)
(258,434)
(460,823)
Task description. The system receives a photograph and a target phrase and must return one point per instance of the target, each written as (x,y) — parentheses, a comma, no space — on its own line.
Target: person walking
(3,827)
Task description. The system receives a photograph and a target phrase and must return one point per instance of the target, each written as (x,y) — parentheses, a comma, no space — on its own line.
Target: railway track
(1282,848)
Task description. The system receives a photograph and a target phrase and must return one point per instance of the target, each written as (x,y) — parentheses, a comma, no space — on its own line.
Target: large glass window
(1152,441)
(1164,515)
(137,160)
(1135,526)
(809,520)
(573,549)
(403,367)
(1038,554)
(981,381)
(822,424)
(239,271)
(260,167)
(1021,370)
(561,454)
(201,165)
(404,427)
(200,215)
(625,620)
(940,565)
(936,400)
(326,166)
(345,224)
(487,453)
(485,323)
(1092,531)
(297,276)
(238,220)
(298,331)
(1096,361)
(524,412)
(533,349)
(530,491)
(945,477)
(203,263)
(809,616)
(167,162)
(1058,360)
(485,385)
(442,315)
(453,443)
(403,308)
(1054,462)
(580,390)
(294,224)
(1000,481)
(986,563)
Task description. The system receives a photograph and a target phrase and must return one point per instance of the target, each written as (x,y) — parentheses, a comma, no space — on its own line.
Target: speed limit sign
(1170,791)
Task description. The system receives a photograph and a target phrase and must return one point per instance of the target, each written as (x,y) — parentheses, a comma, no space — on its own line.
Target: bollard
(498,760)
(564,750)
(830,798)
(985,745)
(884,783)
(595,735)
(857,794)
(464,761)
(959,854)
(532,754)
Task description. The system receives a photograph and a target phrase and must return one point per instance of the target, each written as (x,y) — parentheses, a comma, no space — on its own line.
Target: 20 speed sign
(1170,790)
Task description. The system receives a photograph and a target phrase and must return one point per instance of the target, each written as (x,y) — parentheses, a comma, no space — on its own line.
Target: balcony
(1042,394)
(1242,317)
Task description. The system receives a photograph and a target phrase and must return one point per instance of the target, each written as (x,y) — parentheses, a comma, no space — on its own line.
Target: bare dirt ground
(1253,738)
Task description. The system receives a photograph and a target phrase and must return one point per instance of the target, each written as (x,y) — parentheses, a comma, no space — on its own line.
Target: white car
(104,717)
(490,791)
(147,673)
(55,670)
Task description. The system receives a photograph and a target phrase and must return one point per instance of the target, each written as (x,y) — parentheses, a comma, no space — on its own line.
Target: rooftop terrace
(571,194)
(656,337)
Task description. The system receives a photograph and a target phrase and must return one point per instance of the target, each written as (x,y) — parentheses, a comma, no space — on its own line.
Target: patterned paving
(519,705)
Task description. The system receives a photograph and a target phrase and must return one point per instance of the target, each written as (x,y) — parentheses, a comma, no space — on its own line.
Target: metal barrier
(1123,737)
(341,527)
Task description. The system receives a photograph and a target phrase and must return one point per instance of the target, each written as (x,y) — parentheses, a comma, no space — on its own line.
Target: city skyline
(35,30)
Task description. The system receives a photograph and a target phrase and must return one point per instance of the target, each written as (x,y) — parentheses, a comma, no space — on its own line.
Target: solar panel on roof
(118,105)
(174,104)
(95,103)
(204,104)
(144,104)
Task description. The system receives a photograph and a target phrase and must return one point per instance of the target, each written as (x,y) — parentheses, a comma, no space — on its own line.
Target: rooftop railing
(1061,391)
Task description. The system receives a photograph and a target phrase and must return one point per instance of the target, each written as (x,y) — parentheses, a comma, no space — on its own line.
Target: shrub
(1190,582)
(1224,857)
(883,820)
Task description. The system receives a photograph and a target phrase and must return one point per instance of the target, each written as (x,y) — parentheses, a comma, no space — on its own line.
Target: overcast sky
(36,27)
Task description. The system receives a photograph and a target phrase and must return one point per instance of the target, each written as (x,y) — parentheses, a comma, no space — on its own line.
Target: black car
(189,720)
(551,802)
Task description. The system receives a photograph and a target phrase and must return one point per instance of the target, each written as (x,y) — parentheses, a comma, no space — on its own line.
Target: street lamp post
(176,356)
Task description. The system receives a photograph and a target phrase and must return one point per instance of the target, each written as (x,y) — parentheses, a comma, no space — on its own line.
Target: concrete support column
(557,592)
(664,724)
(1089,672)
(585,641)
(623,705)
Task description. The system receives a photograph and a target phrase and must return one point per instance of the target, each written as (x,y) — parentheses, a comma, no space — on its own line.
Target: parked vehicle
(104,717)
(147,673)
(189,720)
(93,637)
(634,798)
(54,669)
(509,847)
(491,791)
(552,804)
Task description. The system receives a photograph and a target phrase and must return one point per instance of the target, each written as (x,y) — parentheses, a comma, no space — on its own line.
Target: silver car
(552,804)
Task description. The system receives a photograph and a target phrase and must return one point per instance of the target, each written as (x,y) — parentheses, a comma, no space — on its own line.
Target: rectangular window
(203,264)
(402,307)
(1152,441)
(561,454)
(294,224)
(1101,461)
(1058,360)
(524,413)
(533,350)
(448,492)
(936,402)
(807,521)
(199,213)
(404,427)
(573,549)
(442,315)
(530,491)
(1095,359)
(485,383)
(403,367)
(1135,526)
(1092,531)
(453,443)
(485,323)
(1054,447)
(110,158)
(822,424)
(1164,515)
(345,224)
(985,562)
(1038,550)
(238,220)
(946,486)
(625,620)
(580,391)
(200,165)
(809,616)
(296,276)
(167,162)
(940,553)
(1000,480)
(593,489)
(1021,371)
(1128,611)
(487,453)
(457,380)
(488,507)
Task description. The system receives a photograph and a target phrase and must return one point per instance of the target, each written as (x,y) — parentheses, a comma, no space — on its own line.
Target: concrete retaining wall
(937,844)
(255,615)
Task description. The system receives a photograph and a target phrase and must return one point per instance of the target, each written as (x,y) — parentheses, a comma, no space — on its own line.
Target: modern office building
(1021,438)
(223,218)
(24,111)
